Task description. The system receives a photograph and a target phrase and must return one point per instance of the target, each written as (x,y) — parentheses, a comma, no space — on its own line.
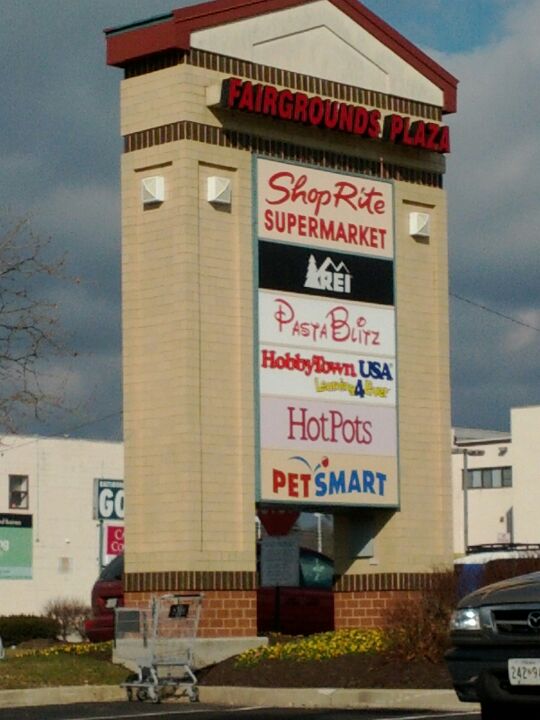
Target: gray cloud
(61,149)
(494,223)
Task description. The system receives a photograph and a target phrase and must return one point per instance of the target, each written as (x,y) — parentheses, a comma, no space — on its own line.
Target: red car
(107,593)
(290,610)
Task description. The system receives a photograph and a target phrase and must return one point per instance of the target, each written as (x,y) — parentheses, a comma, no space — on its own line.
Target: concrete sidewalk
(443,700)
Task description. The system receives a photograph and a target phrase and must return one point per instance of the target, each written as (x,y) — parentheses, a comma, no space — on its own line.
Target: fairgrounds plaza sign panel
(326,338)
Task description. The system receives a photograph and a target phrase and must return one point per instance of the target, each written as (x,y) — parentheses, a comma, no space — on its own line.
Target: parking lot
(125,711)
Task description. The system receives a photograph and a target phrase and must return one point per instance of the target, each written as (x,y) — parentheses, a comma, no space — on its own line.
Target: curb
(398,699)
(445,700)
(27,697)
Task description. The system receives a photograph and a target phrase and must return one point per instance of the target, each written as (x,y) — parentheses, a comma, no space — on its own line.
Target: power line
(89,422)
(494,312)
(61,434)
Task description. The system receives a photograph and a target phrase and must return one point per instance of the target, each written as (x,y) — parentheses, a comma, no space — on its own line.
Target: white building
(49,537)
(501,500)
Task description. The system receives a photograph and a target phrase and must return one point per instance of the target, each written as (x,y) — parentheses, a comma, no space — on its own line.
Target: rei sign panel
(326,338)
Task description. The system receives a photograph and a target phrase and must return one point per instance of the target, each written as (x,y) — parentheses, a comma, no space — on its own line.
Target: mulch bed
(348,671)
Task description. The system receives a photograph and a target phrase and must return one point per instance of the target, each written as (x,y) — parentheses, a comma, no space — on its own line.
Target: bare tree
(29,324)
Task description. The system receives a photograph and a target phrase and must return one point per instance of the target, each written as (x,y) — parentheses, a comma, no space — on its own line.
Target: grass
(60,665)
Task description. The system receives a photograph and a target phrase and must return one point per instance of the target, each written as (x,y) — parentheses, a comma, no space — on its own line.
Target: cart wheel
(142,695)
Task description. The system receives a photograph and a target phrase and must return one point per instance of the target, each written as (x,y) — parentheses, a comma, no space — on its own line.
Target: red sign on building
(114,539)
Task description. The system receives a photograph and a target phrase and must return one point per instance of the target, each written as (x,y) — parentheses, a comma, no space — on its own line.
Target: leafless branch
(30,332)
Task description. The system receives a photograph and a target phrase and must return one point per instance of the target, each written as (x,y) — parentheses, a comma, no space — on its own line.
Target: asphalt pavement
(125,711)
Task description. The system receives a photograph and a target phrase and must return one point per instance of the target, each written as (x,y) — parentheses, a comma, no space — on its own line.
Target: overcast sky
(60,150)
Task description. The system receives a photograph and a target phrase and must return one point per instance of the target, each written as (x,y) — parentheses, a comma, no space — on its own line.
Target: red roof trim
(175,33)
(123,48)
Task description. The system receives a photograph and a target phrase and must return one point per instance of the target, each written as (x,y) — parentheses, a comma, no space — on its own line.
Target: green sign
(15,547)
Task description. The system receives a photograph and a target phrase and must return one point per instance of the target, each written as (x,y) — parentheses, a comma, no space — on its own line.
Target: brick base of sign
(224,613)
(360,601)
(367,609)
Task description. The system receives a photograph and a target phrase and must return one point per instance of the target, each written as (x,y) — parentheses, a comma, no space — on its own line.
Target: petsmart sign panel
(314,478)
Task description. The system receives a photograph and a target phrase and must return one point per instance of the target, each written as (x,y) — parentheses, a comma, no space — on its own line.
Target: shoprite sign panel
(345,213)
(326,351)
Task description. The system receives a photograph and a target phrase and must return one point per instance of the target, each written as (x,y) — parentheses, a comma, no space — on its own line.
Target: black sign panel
(15,521)
(291,268)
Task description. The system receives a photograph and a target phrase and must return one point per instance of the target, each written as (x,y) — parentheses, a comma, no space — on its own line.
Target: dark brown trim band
(184,580)
(384,582)
(176,581)
(211,135)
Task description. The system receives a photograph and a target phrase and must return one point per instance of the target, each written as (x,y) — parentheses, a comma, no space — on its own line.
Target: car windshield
(114,570)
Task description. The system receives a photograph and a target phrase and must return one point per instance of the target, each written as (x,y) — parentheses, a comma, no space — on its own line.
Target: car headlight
(465,619)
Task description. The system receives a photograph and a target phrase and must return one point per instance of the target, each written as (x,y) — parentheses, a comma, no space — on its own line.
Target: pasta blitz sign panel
(326,363)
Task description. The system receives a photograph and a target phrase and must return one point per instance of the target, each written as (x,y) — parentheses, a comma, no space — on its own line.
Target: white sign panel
(324,375)
(309,322)
(324,209)
(300,424)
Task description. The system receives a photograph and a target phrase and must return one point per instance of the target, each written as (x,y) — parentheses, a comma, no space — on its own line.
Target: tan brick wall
(179,93)
(418,538)
(188,338)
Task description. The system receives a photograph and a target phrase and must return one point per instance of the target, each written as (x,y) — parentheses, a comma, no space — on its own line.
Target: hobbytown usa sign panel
(326,351)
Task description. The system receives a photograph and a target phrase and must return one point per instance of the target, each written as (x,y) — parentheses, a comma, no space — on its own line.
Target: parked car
(301,610)
(107,594)
(495,654)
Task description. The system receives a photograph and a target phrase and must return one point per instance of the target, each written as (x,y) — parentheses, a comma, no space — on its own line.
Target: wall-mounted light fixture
(419,225)
(219,190)
(153,190)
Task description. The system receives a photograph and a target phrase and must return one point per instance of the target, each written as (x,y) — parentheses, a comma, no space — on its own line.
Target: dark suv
(495,653)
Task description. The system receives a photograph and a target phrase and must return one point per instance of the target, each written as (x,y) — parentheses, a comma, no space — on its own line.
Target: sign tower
(285,298)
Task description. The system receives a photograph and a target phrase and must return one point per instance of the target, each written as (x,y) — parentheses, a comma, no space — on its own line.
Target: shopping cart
(161,639)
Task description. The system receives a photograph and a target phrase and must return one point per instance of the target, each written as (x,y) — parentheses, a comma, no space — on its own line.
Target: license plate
(524,671)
